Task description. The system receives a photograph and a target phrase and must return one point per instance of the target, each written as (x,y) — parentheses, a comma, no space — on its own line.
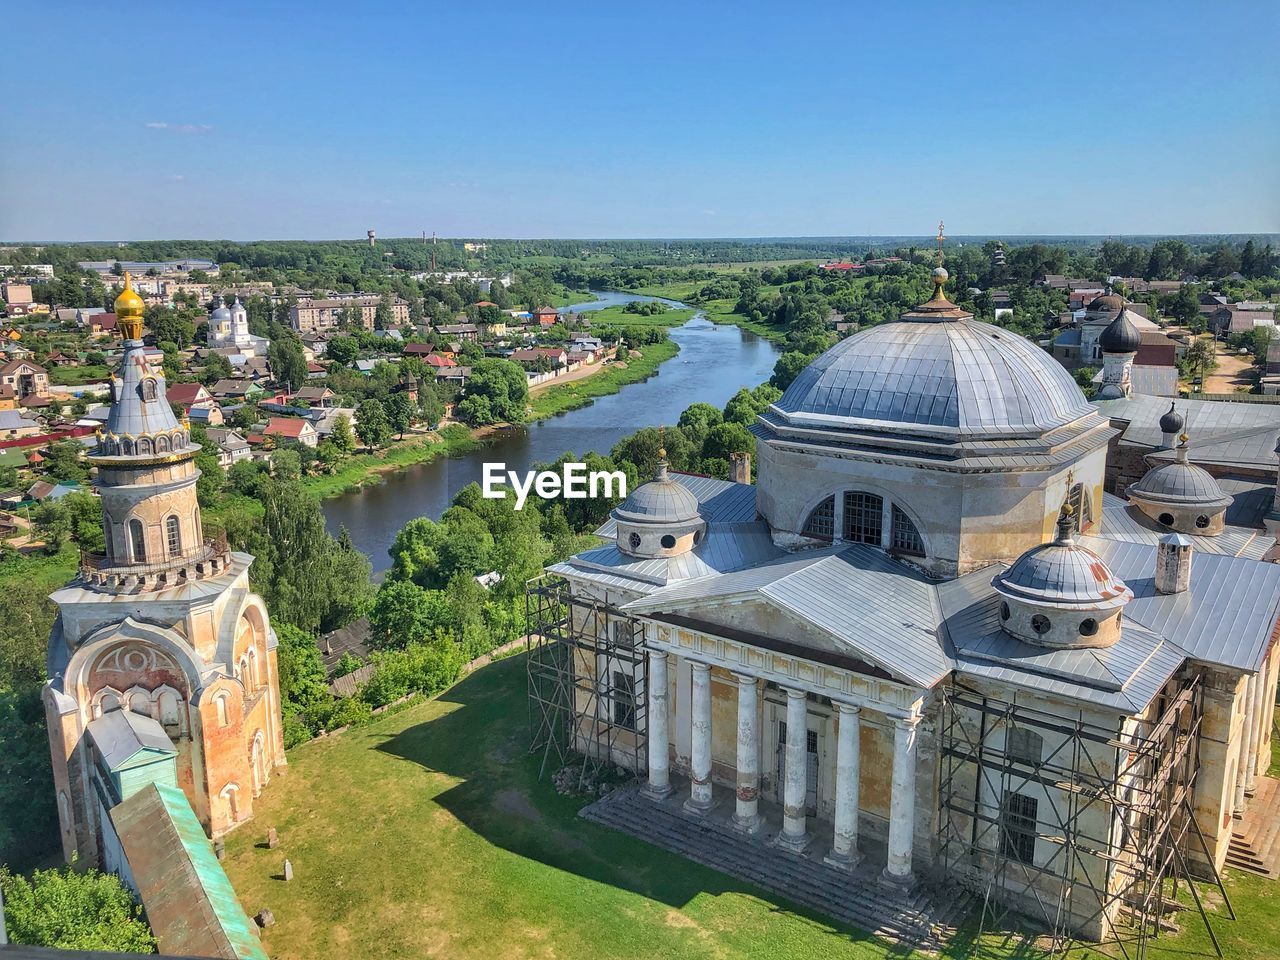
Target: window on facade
(863,517)
(1202,521)
(821,524)
(1040,623)
(137,541)
(149,389)
(622,695)
(224,716)
(620,632)
(668,541)
(906,538)
(173,536)
(1024,745)
(1018,817)
(1088,627)
(1166,519)
(1082,504)
(635,541)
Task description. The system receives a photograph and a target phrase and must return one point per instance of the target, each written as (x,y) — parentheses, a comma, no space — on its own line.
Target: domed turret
(1120,336)
(1171,425)
(1182,496)
(1062,594)
(661,518)
(129,311)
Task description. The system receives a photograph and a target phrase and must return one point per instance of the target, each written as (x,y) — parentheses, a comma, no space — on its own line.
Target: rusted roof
(190,903)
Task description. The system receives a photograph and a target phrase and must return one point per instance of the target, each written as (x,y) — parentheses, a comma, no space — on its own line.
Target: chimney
(740,467)
(1173,564)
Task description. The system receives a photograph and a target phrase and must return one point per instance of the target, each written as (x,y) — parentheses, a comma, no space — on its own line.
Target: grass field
(618,317)
(74,376)
(578,393)
(428,833)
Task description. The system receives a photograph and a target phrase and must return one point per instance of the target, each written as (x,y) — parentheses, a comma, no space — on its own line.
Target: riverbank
(562,398)
(717,311)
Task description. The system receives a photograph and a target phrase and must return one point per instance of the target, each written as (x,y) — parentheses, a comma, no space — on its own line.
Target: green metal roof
(190,903)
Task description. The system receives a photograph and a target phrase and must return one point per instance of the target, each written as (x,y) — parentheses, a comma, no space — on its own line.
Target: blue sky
(321,120)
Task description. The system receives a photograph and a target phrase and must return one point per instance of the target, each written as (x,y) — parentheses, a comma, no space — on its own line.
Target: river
(714,362)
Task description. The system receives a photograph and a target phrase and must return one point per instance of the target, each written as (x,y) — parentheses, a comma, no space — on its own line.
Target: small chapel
(163,698)
(927,650)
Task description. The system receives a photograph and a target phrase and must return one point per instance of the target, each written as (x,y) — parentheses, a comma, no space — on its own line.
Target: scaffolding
(588,676)
(1081,827)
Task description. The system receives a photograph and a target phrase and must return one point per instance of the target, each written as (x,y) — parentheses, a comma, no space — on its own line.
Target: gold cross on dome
(941,238)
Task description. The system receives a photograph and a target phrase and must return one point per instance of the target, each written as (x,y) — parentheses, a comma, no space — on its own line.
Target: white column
(1255,726)
(1246,743)
(796,775)
(700,800)
(659,738)
(844,847)
(746,815)
(902,804)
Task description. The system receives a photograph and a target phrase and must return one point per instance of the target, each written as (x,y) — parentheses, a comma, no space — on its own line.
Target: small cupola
(661,518)
(1181,496)
(1061,594)
(1171,425)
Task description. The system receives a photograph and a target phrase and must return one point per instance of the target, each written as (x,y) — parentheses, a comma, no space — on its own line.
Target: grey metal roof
(1223,432)
(1126,675)
(1180,483)
(965,375)
(874,606)
(1062,573)
(719,501)
(1124,522)
(134,412)
(1153,380)
(121,734)
(1251,499)
(1226,617)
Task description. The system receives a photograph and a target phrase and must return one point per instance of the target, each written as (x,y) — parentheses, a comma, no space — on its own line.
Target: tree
(169,325)
(372,426)
(304,688)
(216,367)
(404,612)
(497,392)
(382,315)
(52,523)
(788,367)
(343,350)
(430,406)
(288,363)
(401,412)
(1182,306)
(74,910)
(84,514)
(64,461)
(343,437)
(415,554)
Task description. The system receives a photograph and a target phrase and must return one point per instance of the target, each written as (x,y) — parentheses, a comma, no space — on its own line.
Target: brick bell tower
(162,624)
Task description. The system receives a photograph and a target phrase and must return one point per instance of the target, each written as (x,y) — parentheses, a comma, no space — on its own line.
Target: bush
(72,910)
(425,668)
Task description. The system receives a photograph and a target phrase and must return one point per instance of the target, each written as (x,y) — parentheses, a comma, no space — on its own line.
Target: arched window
(173,536)
(231,794)
(906,538)
(144,445)
(126,447)
(251,669)
(821,524)
(162,444)
(149,390)
(137,541)
(863,518)
(1082,504)
(140,703)
(220,706)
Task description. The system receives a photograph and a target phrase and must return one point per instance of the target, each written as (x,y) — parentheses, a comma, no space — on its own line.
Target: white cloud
(179,127)
(177,177)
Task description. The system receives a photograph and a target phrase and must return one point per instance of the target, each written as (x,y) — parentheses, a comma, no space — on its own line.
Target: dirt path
(1233,372)
(580,374)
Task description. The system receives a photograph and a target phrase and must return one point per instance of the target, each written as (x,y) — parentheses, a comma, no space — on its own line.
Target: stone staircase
(921,917)
(1255,840)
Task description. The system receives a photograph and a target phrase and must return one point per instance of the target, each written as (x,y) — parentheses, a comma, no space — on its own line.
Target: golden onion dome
(129,311)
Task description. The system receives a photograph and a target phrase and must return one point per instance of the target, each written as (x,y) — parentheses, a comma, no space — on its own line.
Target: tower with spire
(159,639)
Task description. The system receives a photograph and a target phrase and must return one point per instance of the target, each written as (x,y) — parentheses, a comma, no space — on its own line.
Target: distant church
(162,661)
(229,332)
(927,646)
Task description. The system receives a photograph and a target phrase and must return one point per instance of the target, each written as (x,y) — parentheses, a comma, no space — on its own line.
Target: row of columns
(746,816)
(1257,716)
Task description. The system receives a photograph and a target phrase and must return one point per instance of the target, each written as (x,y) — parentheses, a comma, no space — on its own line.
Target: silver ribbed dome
(221,313)
(1062,574)
(958,375)
(661,500)
(1180,484)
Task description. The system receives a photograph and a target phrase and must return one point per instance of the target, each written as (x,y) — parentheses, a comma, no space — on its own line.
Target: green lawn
(618,317)
(578,393)
(427,833)
(74,376)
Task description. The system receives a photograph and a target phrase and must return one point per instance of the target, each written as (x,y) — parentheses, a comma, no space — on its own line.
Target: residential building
(25,378)
(546,316)
(232,446)
(292,428)
(321,315)
(13,425)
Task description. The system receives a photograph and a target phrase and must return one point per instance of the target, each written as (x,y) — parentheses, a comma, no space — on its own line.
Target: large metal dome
(953,376)
(1179,484)
(1063,574)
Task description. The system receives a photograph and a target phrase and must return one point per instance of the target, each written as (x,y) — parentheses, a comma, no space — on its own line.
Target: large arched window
(821,524)
(173,536)
(1080,501)
(863,518)
(137,541)
(905,537)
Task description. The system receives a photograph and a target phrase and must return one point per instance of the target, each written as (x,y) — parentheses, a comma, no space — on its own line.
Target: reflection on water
(714,362)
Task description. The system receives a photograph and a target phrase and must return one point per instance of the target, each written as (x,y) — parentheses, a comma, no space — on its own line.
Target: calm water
(714,362)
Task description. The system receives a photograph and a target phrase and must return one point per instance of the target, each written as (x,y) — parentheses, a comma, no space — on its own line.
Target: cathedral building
(229,331)
(927,645)
(162,660)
